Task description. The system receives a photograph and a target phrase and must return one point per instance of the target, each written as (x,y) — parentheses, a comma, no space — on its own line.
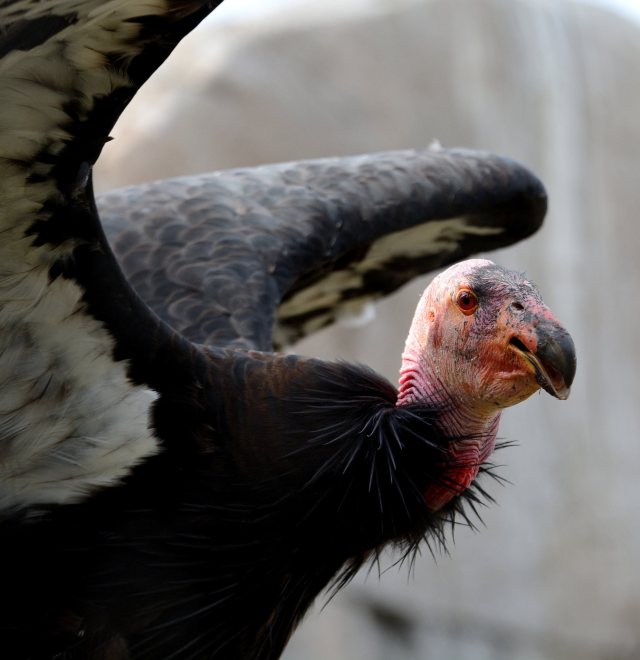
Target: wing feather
(262,257)
(76,382)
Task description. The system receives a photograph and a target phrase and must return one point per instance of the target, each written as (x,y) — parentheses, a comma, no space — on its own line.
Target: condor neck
(419,384)
(472,429)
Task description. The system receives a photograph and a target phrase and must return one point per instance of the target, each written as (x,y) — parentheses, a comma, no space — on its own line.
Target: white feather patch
(70,419)
(436,237)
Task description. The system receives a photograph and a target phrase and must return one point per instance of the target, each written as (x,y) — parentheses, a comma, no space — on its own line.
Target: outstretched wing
(261,257)
(74,374)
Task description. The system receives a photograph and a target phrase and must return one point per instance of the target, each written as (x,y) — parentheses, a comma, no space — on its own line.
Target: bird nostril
(518,344)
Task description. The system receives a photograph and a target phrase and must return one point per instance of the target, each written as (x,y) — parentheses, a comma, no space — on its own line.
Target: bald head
(482,335)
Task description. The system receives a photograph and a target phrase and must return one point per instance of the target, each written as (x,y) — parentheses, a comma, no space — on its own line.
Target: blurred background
(555,84)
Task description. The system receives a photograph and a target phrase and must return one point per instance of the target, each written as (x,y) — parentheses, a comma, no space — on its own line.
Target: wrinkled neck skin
(424,378)
(419,384)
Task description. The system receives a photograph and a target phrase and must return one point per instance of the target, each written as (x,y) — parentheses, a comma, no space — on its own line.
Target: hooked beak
(554,359)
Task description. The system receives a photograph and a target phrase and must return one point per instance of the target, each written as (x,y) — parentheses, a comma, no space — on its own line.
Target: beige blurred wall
(556,84)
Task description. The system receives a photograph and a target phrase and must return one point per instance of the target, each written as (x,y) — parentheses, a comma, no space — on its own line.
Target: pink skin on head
(464,362)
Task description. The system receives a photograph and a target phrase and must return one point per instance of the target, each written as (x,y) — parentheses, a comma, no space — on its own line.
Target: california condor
(170,487)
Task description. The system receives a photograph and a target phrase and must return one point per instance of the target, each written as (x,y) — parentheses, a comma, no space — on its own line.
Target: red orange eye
(467,301)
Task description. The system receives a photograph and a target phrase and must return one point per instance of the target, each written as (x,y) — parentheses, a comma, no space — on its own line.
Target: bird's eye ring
(467,301)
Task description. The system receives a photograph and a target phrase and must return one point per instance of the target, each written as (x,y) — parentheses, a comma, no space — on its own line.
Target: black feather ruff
(381,461)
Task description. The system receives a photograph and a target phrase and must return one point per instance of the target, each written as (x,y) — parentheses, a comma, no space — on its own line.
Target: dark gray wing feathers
(264,256)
